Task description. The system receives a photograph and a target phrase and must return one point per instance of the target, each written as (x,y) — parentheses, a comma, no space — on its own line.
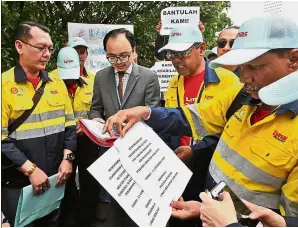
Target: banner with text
(165,71)
(178,17)
(93,34)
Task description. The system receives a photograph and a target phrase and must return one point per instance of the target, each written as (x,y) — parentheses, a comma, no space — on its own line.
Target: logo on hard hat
(176,34)
(242,34)
(68,61)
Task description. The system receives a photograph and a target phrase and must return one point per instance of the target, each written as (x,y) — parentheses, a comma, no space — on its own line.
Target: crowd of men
(213,119)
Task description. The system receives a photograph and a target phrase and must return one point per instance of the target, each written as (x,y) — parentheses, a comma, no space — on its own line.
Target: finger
(179,205)
(110,124)
(48,183)
(252,207)
(64,179)
(226,196)
(181,199)
(105,128)
(204,224)
(119,123)
(59,179)
(180,156)
(176,214)
(44,186)
(40,190)
(79,129)
(177,151)
(128,126)
(204,197)
(36,189)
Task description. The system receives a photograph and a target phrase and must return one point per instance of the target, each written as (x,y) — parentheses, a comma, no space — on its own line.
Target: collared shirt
(125,77)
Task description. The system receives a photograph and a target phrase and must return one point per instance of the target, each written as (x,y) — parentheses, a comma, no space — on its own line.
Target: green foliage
(143,15)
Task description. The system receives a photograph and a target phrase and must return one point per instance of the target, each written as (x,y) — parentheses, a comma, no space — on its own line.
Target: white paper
(178,17)
(95,128)
(152,164)
(165,71)
(110,173)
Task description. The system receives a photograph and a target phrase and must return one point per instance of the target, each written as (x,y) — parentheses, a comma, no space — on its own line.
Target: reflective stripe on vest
(269,200)
(247,168)
(195,116)
(82,113)
(38,132)
(33,118)
(290,207)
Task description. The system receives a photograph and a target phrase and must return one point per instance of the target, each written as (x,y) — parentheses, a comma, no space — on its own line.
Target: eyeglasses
(223,43)
(43,50)
(181,54)
(114,59)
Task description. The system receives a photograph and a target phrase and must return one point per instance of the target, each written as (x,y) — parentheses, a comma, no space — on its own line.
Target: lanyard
(199,96)
(117,93)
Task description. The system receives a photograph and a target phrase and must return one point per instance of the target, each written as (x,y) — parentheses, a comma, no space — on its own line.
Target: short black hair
(24,28)
(230,27)
(114,33)
(281,52)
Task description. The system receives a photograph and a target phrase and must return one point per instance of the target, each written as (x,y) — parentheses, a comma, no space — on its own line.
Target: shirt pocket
(277,157)
(22,104)
(172,101)
(56,101)
(232,127)
(86,103)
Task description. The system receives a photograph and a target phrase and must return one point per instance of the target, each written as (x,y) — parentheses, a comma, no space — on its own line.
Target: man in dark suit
(120,86)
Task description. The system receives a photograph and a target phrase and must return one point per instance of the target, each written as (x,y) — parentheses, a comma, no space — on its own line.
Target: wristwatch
(69,157)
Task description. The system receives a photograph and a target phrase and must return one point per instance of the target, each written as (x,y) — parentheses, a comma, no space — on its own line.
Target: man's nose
(245,76)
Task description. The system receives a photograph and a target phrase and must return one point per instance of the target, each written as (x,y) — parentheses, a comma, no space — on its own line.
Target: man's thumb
(177,151)
(226,196)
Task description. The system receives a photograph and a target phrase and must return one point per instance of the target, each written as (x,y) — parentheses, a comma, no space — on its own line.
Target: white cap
(76,41)
(258,36)
(182,38)
(282,91)
(68,63)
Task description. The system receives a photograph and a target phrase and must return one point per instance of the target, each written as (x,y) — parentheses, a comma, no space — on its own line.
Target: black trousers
(86,154)
(9,202)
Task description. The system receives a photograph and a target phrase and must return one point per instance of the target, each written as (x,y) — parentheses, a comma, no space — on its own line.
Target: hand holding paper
(141,172)
(125,119)
(32,206)
(94,129)
(39,181)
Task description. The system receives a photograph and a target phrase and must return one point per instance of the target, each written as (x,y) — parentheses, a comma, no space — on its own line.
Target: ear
(19,47)
(134,50)
(293,60)
(202,48)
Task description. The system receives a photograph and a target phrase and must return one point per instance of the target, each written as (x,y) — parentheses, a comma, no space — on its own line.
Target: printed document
(152,164)
(143,174)
(142,209)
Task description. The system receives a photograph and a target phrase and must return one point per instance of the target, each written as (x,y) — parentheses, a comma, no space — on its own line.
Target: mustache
(251,87)
(178,65)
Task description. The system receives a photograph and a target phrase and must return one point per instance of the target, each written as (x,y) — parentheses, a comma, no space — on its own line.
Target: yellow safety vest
(81,101)
(208,90)
(259,162)
(215,82)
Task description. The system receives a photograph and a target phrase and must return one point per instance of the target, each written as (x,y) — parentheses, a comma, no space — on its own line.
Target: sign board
(178,17)
(165,71)
(94,34)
